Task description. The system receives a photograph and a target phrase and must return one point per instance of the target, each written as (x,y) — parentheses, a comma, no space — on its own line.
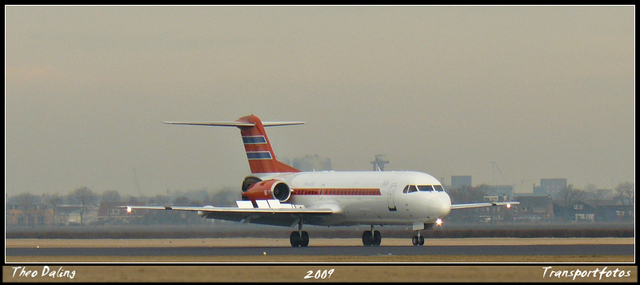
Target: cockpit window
(410,189)
(428,188)
(422,188)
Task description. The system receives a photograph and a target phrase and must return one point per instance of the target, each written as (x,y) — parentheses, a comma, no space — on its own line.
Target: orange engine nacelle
(268,189)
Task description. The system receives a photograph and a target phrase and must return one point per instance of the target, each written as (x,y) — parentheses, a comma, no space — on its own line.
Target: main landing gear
(371,238)
(299,238)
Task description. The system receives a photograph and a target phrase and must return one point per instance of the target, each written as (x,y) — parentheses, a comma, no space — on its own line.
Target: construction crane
(135,176)
(378,164)
(495,166)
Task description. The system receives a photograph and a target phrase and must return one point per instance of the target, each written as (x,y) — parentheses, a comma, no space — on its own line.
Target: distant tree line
(565,199)
(84,197)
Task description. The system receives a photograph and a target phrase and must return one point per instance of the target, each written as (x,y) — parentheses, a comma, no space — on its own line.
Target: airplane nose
(439,206)
(445,205)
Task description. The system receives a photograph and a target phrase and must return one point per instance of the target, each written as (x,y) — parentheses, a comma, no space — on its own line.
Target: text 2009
(320,274)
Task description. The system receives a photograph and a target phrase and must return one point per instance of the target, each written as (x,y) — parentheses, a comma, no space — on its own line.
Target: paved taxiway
(604,249)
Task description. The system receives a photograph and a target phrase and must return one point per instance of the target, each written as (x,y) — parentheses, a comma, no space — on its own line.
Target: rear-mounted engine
(268,189)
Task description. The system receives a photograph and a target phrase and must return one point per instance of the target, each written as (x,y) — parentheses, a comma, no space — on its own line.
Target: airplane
(280,195)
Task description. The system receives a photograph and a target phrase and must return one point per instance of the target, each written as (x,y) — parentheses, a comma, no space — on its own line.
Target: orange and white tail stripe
(260,154)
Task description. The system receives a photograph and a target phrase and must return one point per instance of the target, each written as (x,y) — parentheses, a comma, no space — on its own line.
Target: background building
(550,186)
(460,181)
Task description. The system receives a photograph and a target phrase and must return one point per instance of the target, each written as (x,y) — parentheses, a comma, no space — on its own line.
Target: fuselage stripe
(337,191)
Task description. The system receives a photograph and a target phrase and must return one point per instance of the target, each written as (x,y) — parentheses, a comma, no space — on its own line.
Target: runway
(556,250)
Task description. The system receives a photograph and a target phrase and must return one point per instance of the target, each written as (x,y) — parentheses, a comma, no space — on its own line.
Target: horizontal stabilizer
(235,124)
(259,152)
(275,124)
(214,124)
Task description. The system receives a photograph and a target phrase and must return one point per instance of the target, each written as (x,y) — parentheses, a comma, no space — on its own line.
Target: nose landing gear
(418,240)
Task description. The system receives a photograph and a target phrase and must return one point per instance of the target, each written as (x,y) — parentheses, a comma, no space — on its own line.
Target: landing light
(128,210)
(508,206)
(439,222)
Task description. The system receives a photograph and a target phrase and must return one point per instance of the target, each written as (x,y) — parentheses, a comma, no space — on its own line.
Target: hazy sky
(542,91)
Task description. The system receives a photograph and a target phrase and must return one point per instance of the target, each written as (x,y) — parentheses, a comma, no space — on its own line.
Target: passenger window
(438,188)
(428,188)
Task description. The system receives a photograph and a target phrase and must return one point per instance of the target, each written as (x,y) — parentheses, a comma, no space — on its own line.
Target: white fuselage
(367,197)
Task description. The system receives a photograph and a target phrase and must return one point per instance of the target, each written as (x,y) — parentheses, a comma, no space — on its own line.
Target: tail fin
(261,157)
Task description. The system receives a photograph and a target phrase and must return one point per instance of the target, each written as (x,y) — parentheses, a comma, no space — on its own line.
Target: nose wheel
(418,240)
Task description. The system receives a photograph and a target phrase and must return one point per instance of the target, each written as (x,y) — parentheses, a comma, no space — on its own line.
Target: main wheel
(366,238)
(377,238)
(304,239)
(414,240)
(420,240)
(295,239)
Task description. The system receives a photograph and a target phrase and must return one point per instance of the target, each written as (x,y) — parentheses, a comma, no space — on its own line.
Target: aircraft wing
(269,212)
(482,205)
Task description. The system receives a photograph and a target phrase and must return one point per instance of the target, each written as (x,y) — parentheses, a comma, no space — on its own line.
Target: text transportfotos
(617,273)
